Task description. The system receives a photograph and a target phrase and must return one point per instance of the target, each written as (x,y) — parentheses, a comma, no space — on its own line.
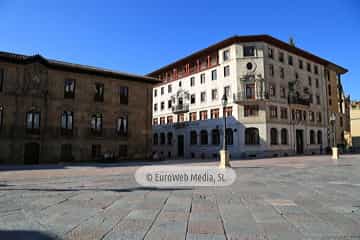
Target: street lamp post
(224,153)
(335,150)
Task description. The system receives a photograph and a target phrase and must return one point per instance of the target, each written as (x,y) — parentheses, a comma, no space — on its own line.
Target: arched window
(229,136)
(96,122)
(162,138)
(215,136)
(155,139)
(312,137)
(319,137)
(273,136)
(252,136)
(193,138)
(284,136)
(169,138)
(203,137)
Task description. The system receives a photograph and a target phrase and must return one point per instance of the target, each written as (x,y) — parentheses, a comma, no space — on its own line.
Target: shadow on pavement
(24,235)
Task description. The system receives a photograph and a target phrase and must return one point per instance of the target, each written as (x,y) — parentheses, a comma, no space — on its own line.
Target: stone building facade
(277,100)
(53,111)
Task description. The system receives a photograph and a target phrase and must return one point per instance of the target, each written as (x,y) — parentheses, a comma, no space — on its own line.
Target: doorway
(31,153)
(180,143)
(299,141)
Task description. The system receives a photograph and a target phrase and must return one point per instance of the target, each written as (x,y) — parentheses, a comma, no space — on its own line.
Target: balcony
(241,97)
(180,108)
(299,100)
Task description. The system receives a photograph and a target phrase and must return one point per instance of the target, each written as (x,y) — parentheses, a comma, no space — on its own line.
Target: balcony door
(250,91)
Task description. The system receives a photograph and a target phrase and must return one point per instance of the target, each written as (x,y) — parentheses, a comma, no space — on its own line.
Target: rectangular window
(162,90)
(2,76)
(282,73)
(308,67)
(251,110)
(214,94)
(272,90)
(67,120)
(271,53)
(226,55)
(202,78)
(301,65)
(192,116)
(169,119)
(96,123)
(202,97)
(169,88)
(99,92)
(317,99)
(271,68)
(227,91)
(155,121)
(155,92)
(162,120)
(319,117)
(203,115)
(281,57)
(192,81)
(311,116)
(249,51)
(162,106)
(316,69)
(122,126)
(228,111)
(282,92)
(69,88)
(283,113)
(226,71)
(213,75)
(317,83)
(155,107)
(181,117)
(290,60)
(192,99)
(169,103)
(273,112)
(33,122)
(124,95)
(250,91)
(309,81)
(214,113)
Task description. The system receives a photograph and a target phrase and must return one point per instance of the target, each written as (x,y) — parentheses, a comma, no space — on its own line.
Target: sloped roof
(252,38)
(72,67)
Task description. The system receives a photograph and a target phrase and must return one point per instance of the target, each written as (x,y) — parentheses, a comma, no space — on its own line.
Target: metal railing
(243,96)
(180,108)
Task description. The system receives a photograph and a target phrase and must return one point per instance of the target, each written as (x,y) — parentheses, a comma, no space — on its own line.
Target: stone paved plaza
(310,197)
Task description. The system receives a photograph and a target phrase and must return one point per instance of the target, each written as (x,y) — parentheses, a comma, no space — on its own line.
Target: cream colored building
(277,100)
(355,124)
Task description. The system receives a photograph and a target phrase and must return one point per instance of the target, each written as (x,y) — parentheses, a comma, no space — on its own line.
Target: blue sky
(141,36)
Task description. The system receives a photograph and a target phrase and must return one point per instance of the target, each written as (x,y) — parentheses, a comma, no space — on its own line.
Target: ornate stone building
(278,100)
(53,111)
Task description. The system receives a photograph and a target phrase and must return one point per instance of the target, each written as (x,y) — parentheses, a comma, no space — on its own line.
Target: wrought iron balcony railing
(299,100)
(180,108)
(243,96)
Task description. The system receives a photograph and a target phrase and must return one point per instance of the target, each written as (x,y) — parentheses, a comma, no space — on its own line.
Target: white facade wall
(238,122)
